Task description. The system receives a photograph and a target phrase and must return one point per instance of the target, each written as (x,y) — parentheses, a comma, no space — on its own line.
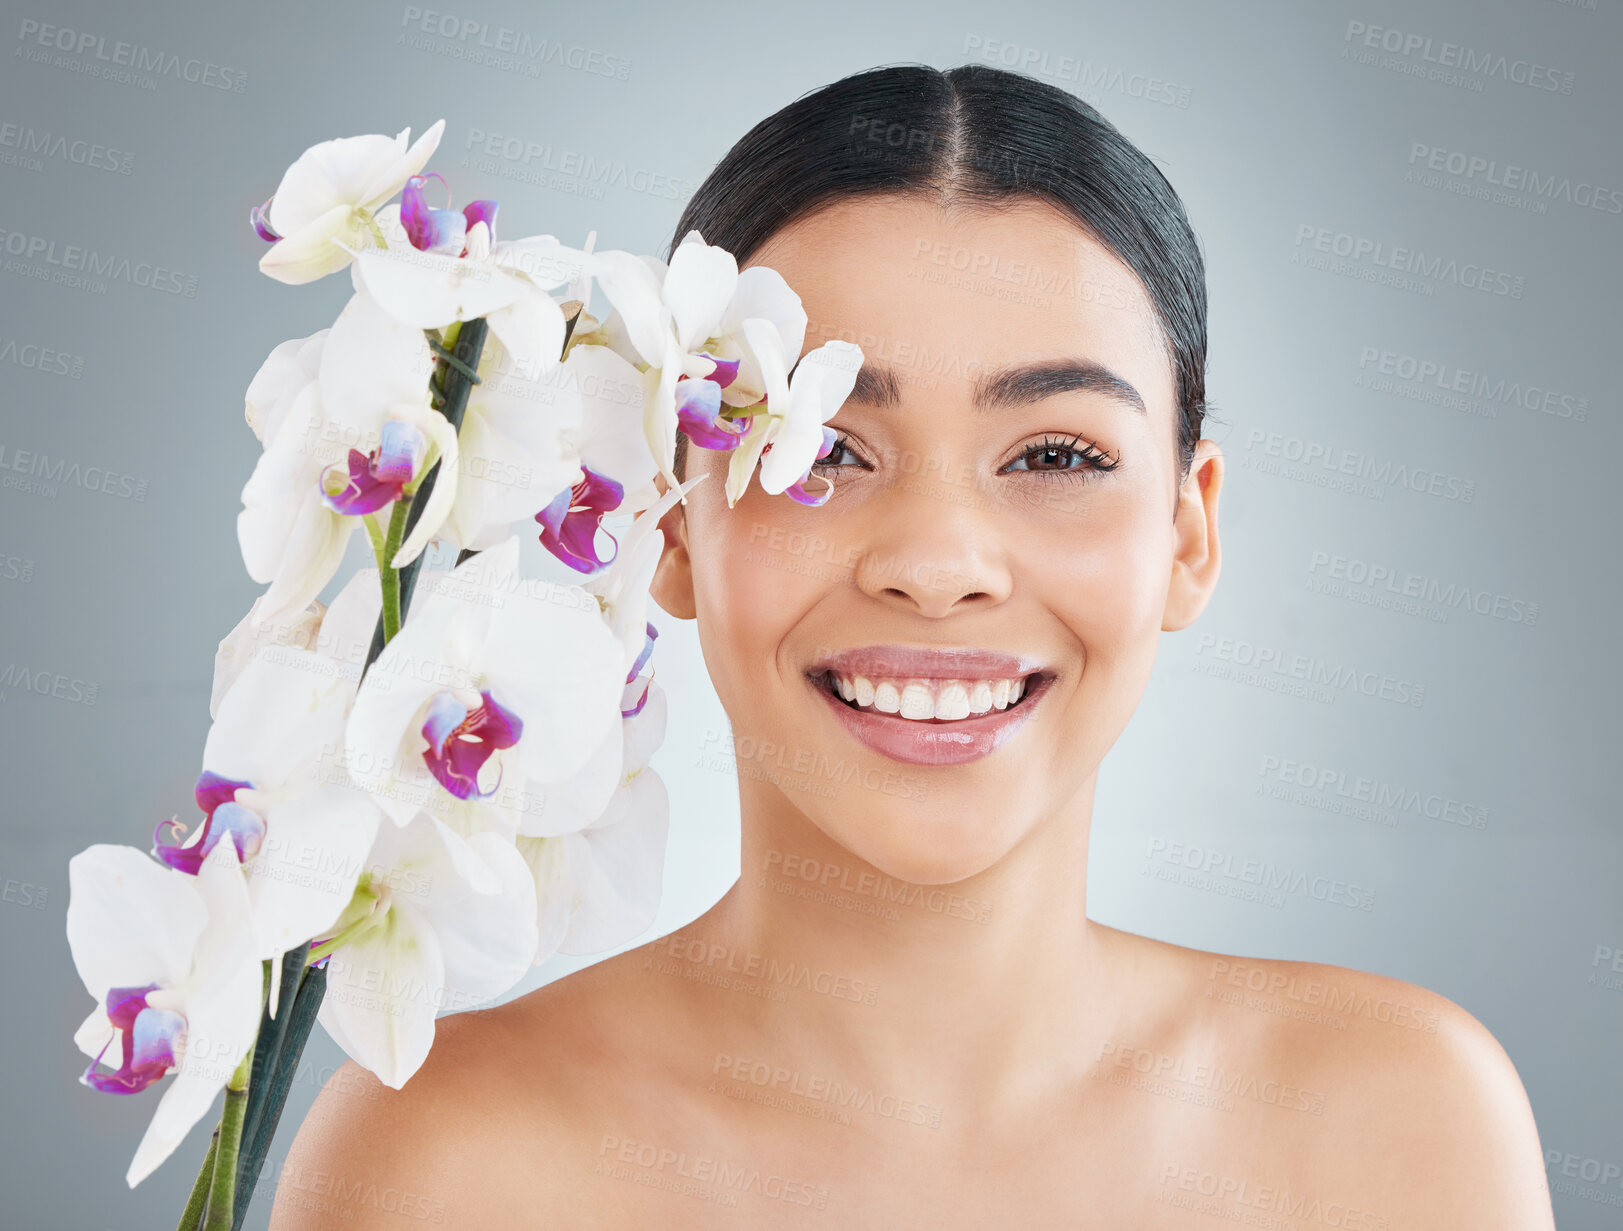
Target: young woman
(901,1015)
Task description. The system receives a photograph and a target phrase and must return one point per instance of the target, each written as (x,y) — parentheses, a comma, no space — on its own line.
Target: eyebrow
(878,385)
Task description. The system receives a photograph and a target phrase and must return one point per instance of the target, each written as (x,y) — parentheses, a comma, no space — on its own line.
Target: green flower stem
(272,1094)
(272,1035)
(466,341)
(388,575)
(192,1215)
(222,1192)
(370,521)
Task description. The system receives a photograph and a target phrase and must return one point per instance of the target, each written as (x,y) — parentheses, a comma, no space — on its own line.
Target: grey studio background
(1413,260)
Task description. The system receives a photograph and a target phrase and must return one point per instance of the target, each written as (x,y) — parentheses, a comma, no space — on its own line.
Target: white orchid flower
(171,961)
(438,922)
(272,783)
(685,322)
(492,679)
(300,506)
(461,277)
(323,208)
(791,434)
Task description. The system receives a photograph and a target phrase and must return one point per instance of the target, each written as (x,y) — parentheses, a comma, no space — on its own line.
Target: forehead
(939,294)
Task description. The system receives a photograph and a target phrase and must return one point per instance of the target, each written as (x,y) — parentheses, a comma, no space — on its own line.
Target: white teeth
(921,700)
(953,702)
(917,702)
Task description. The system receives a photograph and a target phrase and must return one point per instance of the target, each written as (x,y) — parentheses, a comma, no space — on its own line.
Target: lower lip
(934,743)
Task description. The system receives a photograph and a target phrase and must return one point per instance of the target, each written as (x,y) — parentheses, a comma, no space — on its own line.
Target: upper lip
(926,662)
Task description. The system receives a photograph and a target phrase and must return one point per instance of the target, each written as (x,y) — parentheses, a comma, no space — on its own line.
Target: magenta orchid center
(441,230)
(380,478)
(571,520)
(649,634)
(462,738)
(151,1038)
(797,490)
(698,413)
(224,818)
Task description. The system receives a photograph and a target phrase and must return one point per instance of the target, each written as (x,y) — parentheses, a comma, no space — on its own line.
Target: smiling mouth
(930,701)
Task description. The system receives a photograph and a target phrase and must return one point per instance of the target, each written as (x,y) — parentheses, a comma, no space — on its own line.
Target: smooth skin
(901,1016)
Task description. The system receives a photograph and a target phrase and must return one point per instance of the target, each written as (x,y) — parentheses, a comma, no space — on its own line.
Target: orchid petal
(697,405)
(238,648)
(542,261)
(128,921)
(611,392)
(528,649)
(646,732)
(430,229)
(381,992)
(742,463)
(442,498)
(573,803)
(659,419)
(823,380)
(481,211)
(371,363)
(489,942)
(389,178)
(429,290)
(315,548)
(634,290)
(620,869)
(322,246)
(532,328)
(305,872)
(762,294)
(282,482)
(222,1007)
(259,219)
(283,375)
(698,287)
(554,889)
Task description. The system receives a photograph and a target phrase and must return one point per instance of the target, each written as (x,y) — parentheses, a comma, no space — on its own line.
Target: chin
(918,845)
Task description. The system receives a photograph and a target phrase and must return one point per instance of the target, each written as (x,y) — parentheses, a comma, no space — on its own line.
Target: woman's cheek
(1104,569)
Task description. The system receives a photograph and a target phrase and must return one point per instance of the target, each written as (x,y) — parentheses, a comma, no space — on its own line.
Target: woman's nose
(934,548)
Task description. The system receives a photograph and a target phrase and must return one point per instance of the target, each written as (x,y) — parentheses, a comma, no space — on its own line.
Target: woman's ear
(1197,556)
(672,587)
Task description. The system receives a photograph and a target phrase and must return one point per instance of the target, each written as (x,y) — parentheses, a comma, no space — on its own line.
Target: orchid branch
(222,1191)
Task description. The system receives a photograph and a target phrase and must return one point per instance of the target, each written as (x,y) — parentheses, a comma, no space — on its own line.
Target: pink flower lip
(927,662)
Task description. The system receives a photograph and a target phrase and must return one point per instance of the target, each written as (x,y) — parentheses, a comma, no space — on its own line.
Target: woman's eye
(832,457)
(1063,456)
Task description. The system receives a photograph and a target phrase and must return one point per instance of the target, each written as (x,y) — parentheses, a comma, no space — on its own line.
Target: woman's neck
(987,992)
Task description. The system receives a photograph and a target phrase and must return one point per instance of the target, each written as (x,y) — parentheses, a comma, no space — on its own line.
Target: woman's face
(1006,481)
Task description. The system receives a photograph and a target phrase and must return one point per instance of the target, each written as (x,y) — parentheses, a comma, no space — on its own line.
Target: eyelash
(1093,457)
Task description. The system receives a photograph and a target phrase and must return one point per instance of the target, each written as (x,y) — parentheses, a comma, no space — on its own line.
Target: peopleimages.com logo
(127,63)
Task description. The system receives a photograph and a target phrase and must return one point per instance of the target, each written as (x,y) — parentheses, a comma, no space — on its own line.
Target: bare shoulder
(1408,1103)
(1431,1096)
(495,1129)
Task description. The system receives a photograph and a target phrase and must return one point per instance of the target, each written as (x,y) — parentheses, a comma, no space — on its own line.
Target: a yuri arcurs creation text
(411,795)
